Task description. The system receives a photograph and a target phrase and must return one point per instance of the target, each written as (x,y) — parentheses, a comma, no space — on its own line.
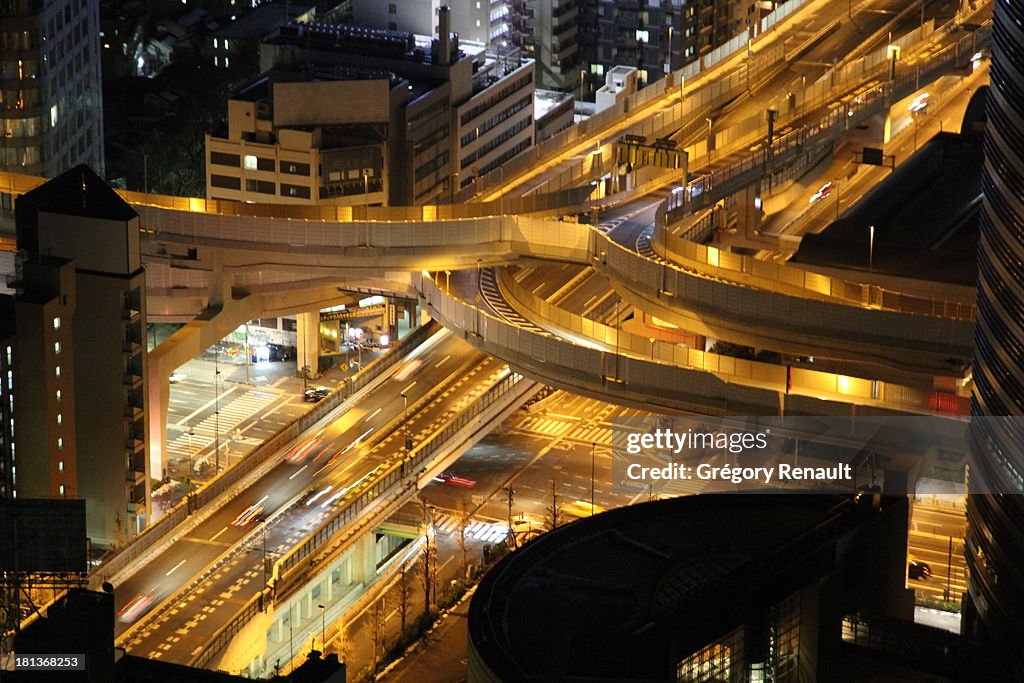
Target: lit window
(58,396)
(10,380)
(227,62)
(226,44)
(60,443)
(53,116)
(249,161)
(57,370)
(216,60)
(56,323)
(215,45)
(61,489)
(60,466)
(8,354)
(60,419)
(642,35)
(56,347)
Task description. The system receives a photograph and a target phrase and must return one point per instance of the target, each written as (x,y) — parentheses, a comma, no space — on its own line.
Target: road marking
(175,567)
(214,537)
(297,472)
(442,361)
(406,390)
(372,415)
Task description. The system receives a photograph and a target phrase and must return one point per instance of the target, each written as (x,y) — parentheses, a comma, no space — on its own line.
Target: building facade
(51,110)
(551,29)
(80,334)
(488,22)
(351,116)
(995,506)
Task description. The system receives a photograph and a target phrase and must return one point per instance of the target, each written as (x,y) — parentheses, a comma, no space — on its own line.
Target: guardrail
(399,478)
(778,378)
(230,477)
(718,90)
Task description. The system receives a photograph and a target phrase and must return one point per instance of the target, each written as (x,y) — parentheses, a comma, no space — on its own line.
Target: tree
(404,593)
(378,634)
(554,512)
(427,560)
(464,518)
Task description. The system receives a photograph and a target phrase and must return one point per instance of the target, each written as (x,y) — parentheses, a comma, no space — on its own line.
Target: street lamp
(405,423)
(323,628)
(668,57)
(593,471)
(651,339)
(191,433)
(871,247)
(583,76)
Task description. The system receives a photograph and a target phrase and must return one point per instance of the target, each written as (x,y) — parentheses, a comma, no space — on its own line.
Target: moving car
(823,191)
(177,377)
(135,608)
(579,508)
(453,479)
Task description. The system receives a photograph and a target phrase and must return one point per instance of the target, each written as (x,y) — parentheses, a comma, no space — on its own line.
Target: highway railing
(719,90)
(393,480)
(770,296)
(165,528)
(773,376)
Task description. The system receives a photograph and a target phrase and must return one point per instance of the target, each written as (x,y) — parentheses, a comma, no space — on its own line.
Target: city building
(551,30)
(995,508)
(489,22)
(351,116)
(39,437)
(80,334)
(715,588)
(656,37)
(51,110)
(552,112)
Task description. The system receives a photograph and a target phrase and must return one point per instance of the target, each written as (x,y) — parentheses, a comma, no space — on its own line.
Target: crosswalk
(487,532)
(232,413)
(492,295)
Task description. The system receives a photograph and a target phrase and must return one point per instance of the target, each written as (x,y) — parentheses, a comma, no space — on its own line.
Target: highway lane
(181,633)
(181,561)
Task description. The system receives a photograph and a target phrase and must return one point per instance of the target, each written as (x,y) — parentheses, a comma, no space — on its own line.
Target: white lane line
(297,472)
(175,567)
(372,415)
(442,361)
(406,390)
(214,537)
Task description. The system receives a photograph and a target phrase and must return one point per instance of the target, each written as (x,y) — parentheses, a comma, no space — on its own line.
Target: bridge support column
(748,211)
(364,560)
(307,335)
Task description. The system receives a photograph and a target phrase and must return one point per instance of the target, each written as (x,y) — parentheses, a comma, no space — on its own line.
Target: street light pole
(871,248)
(593,472)
(323,628)
(216,408)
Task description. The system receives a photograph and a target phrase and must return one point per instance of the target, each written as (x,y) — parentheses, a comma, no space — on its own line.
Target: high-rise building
(350,116)
(488,22)
(51,110)
(655,37)
(39,455)
(79,353)
(551,38)
(995,529)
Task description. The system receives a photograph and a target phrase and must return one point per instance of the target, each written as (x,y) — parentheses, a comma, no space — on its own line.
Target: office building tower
(51,110)
(80,352)
(995,529)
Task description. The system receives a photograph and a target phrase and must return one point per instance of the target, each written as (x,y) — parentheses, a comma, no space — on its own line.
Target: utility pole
(511,497)
(593,472)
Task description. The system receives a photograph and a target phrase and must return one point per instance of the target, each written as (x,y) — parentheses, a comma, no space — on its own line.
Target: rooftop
(77,192)
(618,595)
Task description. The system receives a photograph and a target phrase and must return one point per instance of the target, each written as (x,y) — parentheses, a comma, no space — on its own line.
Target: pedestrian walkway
(486,532)
(243,404)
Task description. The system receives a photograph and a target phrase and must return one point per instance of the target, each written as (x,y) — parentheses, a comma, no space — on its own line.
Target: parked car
(918,570)
(315,394)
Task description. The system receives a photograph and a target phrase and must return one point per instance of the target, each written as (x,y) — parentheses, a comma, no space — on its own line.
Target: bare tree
(379,644)
(554,513)
(427,560)
(404,593)
(464,518)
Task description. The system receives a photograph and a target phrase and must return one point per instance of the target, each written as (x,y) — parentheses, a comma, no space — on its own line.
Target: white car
(919,103)
(177,377)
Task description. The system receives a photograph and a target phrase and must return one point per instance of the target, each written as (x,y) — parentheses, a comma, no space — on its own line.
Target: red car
(454,480)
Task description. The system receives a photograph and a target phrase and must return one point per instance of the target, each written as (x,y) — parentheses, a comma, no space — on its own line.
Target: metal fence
(396,479)
(779,378)
(168,524)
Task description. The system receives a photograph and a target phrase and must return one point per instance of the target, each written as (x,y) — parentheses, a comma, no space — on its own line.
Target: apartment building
(347,115)
(51,110)
(75,354)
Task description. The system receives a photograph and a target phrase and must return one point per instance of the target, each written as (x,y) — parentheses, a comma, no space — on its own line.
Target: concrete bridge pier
(307,333)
